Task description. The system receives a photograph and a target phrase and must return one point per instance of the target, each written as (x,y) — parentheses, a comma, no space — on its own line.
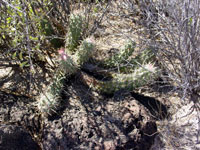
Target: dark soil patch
(156,108)
(85,121)
(16,138)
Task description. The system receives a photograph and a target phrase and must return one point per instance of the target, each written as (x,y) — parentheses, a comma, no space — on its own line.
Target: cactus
(139,73)
(145,56)
(47,103)
(121,59)
(70,60)
(141,76)
(122,56)
(49,100)
(78,52)
(75,32)
(84,52)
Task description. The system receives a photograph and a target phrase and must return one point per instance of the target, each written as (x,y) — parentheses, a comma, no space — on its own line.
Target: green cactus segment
(122,56)
(47,103)
(138,78)
(84,52)
(57,85)
(127,64)
(68,67)
(145,56)
(49,100)
(75,32)
(126,52)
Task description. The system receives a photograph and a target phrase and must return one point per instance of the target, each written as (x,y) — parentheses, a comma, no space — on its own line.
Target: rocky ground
(85,120)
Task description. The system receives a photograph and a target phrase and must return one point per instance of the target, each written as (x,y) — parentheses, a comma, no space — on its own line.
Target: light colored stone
(109,145)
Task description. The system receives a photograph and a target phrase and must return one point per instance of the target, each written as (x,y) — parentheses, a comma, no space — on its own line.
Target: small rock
(109,145)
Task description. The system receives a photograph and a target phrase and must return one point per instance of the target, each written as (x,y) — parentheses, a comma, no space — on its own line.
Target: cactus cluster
(140,72)
(81,51)
(78,51)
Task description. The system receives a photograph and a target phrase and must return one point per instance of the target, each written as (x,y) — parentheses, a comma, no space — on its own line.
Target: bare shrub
(172,31)
(174,25)
(179,133)
(181,46)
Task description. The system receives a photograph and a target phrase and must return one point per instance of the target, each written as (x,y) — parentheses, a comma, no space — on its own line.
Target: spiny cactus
(75,32)
(69,64)
(77,52)
(139,73)
(49,100)
(126,51)
(47,103)
(84,52)
(71,59)
(141,76)
(145,56)
(122,56)
(121,59)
